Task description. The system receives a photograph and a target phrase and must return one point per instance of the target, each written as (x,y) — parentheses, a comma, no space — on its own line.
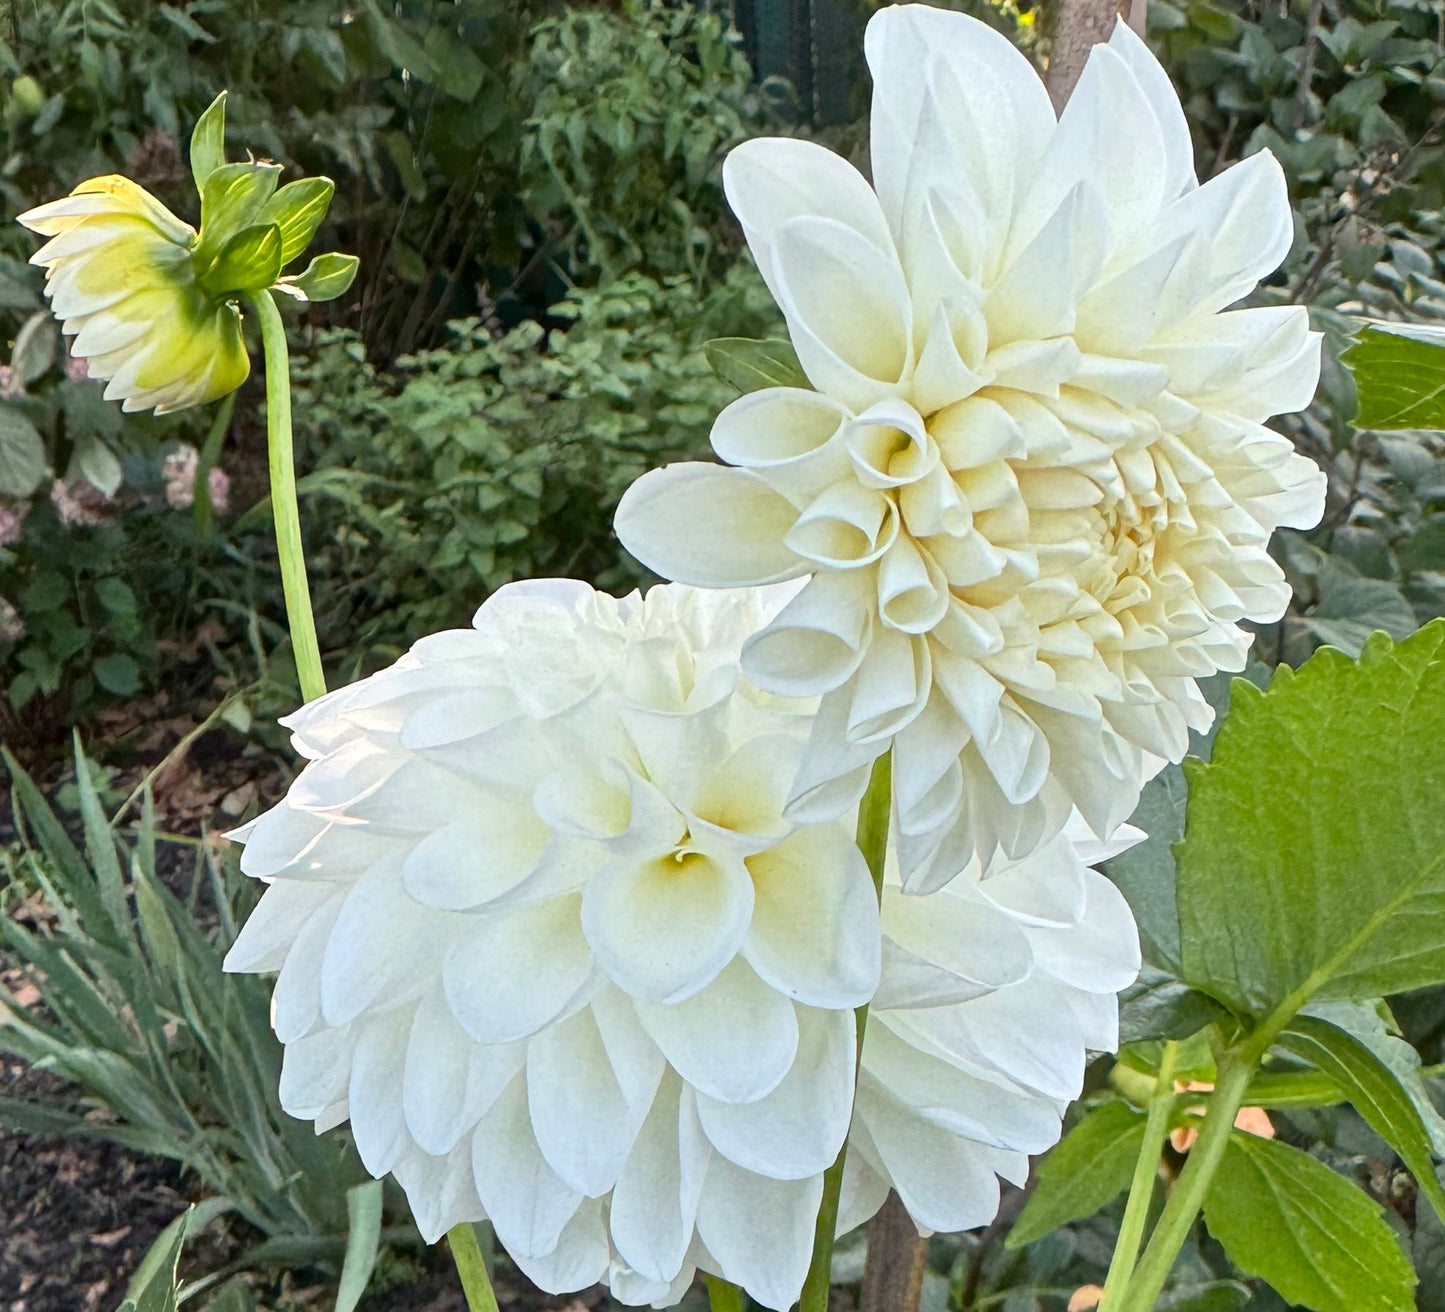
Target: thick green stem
(472,1268)
(283,497)
(723,1297)
(1141,1188)
(1235,1071)
(874,813)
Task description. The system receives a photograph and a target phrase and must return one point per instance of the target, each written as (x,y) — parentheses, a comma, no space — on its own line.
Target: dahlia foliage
(1032,491)
(547,938)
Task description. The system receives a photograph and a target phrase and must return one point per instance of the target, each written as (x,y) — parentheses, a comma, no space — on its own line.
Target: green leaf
(154,1286)
(325,278)
(1374,1091)
(1145,873)
(748,364)
(1351,607)
(117,673)
(234,1296)
(34,351)
(95,462)
(232,198)
(1221,1296)
(116,596)
(1158,1006)
(363,1208)
(208,142)
(22,454)
(1399,373)
(1088,1169)
(1313,863)
(1316,1238)
(297,209)
(248,262)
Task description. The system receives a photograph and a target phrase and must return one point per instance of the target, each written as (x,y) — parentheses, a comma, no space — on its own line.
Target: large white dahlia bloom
(546,937)
(1032,490)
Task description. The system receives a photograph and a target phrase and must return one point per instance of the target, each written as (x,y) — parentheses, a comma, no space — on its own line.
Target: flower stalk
(874,814)
(1236,1069)
(1141,1187)
(471,1265)
(282,465)
(723,1297)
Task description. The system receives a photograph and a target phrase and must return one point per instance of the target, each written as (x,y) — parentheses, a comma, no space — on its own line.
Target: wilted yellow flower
(121,279)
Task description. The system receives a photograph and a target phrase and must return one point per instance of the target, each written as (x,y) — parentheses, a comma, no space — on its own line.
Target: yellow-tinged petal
(110,194)
(120,277)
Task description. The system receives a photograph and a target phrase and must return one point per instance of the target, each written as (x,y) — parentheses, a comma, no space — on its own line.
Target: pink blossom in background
(12,627)
(11,384)
(12,521)
(76,368)
(77,507)
(179,471)
(218,482)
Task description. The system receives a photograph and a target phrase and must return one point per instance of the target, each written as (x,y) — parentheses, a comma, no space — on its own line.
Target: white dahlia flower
(546,937)
(1032,490)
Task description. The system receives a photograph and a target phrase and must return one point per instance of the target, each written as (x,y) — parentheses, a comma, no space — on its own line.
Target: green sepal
(232,199)
(249,261)
(297,209)
(324,279)
(208,142)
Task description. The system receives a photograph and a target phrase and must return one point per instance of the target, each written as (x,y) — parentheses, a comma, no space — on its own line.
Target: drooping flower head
(119,276)
(149,302)
(1032,490)
(546,937)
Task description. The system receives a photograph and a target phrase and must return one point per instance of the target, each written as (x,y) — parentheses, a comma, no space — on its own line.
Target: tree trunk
(893,1277)
(1078,26)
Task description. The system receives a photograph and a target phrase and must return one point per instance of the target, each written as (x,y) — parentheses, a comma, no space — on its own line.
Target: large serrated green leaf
(1313,862)
(1374,1091)
(1320,1241)
(1089,1168)
(1400,376)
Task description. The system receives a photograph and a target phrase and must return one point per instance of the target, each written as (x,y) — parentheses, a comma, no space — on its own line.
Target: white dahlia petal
(994,988)
(547,936)
(1056,504)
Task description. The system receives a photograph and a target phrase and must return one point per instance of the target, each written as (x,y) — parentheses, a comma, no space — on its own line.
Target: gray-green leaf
(22,454)
(1316,1238)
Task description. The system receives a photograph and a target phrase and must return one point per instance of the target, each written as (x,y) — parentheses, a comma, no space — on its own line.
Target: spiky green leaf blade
(297,209)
